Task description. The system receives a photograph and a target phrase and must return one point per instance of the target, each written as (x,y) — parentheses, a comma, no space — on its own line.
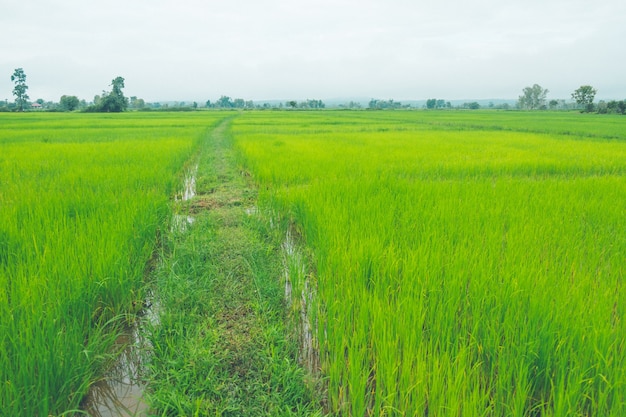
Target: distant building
(36,106)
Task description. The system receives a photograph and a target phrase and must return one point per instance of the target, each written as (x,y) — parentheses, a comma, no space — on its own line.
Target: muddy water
(295,270)
(294,262)
(189,185)
(181,222)
(120,392)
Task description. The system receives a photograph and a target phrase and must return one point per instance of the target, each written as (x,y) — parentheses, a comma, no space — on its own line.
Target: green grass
(81,200)
(465,263)
(221,344)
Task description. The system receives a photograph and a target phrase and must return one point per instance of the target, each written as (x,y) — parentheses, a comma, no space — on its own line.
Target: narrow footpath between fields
(221,346)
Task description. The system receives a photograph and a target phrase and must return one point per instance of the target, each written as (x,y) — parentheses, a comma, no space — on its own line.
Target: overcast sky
(321,49)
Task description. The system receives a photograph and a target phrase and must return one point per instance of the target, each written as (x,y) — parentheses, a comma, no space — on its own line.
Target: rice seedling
(465,264)
(461,263)
(82,198)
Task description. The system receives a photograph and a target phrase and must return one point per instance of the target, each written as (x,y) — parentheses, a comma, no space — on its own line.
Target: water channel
(120,392)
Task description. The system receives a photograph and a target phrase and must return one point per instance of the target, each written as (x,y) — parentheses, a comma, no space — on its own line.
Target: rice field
(458,263)
(462,263)
(82,198)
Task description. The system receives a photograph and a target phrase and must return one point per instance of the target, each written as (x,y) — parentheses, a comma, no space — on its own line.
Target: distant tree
(584,96)
(613,106)
(292,103)
(433,103)
(553,104)
(69,103)
(384,104)
(472,106)
(533,98)
(113,101)
(110,102)
(312,104)
(116,101)
(137,103)
(239,103)
(19,91)
(224,102)
(208,104)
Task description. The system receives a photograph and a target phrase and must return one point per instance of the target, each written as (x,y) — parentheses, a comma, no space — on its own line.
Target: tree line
(535,98)
(532,98)
(112,101)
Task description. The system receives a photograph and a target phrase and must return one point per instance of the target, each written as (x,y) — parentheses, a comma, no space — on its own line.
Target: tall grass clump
(473,267)
(82,198)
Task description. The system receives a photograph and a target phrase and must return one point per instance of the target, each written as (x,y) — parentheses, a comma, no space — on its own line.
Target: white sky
(292,49)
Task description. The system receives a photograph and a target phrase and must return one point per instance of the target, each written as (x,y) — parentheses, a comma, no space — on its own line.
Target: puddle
(189,185)
(296,275)
(181,222)
(120,391)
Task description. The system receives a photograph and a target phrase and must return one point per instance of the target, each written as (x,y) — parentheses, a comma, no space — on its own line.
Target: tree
(224,102)
(69,103)
(137,103)
(533,98)
(312,104)
(19,91)
(431,103)
(384,104)
(114,101)
(618,107)
(584,96)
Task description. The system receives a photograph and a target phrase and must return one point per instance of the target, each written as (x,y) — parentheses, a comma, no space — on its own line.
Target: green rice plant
(82,198)
(465,264)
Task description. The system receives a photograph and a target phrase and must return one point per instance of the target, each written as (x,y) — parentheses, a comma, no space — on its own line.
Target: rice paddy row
(82,198)
(464,263)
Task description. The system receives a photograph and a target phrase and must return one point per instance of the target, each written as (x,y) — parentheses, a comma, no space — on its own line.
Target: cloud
(279,48)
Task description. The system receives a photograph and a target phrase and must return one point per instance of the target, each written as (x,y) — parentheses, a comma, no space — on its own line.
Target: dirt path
(221,346)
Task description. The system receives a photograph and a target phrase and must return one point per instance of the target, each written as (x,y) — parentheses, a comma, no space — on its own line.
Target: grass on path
(221,346)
